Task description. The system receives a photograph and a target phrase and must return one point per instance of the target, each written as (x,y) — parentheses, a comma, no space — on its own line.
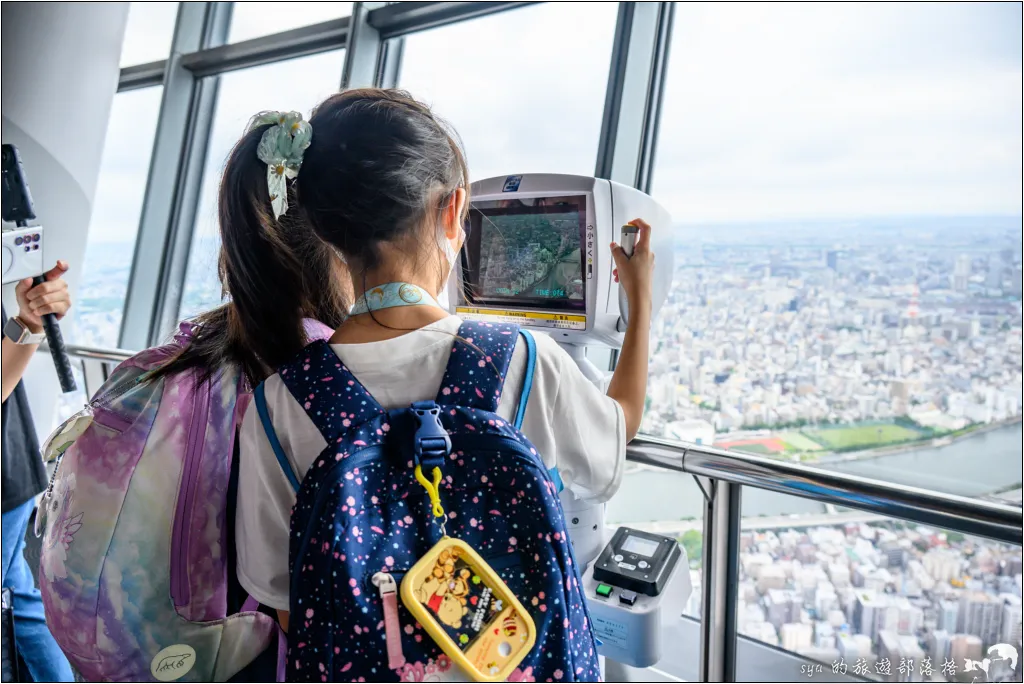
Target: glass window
(524,89)
(830,594)
(117,208)
(150,30)
(255,19)
(845,182)
(243,94)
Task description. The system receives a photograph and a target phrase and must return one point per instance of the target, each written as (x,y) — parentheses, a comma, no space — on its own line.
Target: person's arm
(33,303)
(629,382)
(15,361)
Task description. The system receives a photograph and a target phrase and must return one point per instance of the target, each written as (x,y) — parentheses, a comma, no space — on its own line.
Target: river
(971,466)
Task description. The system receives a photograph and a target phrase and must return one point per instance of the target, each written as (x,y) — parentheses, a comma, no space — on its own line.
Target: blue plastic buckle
(431,443)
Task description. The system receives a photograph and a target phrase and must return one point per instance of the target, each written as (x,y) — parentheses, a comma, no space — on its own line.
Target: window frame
(373,41)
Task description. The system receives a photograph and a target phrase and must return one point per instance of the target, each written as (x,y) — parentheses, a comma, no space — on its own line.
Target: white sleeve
(576,426)
(266,496)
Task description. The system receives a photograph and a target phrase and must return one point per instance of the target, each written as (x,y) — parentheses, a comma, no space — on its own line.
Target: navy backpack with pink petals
(360,513)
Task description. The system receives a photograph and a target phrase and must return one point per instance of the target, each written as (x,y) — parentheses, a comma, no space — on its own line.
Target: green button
(604,590)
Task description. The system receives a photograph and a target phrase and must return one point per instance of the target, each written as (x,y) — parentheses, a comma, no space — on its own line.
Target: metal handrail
(104,354)
(947,511)
(928,507)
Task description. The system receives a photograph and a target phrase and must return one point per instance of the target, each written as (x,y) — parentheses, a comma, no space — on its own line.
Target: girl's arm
(629,382)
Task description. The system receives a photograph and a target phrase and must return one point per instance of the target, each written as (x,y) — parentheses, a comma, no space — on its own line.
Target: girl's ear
(453,214)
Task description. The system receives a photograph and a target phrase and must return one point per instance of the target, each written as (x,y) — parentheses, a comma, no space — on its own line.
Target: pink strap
(393,631)
(282,654)
(250,605)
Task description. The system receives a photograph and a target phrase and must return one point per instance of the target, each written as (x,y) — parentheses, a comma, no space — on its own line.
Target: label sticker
(590,252)
(512,183)
(174,662)
(610,631)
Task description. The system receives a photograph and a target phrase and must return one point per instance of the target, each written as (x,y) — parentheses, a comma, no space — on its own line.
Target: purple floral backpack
(137,565)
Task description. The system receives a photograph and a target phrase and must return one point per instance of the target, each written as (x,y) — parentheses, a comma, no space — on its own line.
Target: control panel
(638,561)
(636,589)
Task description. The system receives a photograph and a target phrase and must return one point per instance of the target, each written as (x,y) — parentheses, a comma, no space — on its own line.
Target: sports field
(798,442)
(766,446)
(862,436)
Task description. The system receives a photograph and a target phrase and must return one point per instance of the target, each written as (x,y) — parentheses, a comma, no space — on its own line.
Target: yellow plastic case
(468,611)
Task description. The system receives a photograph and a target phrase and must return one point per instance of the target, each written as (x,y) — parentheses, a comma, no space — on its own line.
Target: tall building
(832,259)
(981,615)
(949,616)
(870,612)
(900,649)
(943,564)
(938,645)
(964,646)
(1010,633)
(796,635)
(780,608)
(961,272)
(853,646)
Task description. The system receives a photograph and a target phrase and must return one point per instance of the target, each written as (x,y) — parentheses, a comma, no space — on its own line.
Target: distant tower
(961,272)
(912,308)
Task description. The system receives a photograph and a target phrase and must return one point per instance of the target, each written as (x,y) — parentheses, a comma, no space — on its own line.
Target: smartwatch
(18,332)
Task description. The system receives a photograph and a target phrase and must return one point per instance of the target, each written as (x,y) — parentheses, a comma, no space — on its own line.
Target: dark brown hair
(379,166)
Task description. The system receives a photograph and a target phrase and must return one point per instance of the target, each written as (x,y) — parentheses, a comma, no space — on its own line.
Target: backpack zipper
(180,537)
(361,458)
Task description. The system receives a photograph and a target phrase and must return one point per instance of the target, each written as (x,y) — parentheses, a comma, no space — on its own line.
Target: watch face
(16,331)
(13,330)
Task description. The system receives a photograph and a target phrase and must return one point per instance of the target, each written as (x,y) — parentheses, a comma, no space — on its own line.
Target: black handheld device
(18,209)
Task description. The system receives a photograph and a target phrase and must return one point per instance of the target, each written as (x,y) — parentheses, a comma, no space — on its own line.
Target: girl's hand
(636,273)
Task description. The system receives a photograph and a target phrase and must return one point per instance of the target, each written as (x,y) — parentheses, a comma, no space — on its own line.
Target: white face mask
(450,253)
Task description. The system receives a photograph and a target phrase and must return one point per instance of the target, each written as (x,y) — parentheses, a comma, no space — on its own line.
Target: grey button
(617,558)
(642,565)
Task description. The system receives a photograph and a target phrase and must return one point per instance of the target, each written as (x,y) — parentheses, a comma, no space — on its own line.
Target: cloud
(805,110)
(771,110)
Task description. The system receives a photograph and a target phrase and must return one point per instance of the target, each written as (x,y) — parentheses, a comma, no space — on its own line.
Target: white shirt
(574,425)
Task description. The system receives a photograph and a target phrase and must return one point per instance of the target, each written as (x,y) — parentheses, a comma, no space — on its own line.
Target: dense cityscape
(872,599)
(819,342)
(838,339)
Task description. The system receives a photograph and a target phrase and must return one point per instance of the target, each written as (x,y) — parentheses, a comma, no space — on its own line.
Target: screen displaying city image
(527,253)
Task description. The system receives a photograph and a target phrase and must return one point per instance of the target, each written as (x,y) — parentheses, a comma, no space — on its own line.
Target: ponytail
(275,271)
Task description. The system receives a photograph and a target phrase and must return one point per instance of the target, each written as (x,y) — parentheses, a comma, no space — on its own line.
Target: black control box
(637,561)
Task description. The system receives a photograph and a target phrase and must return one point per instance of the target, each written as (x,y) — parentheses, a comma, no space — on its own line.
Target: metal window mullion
(276,47)
(363,51)
(389,67)
(156,265)
(655,96)
(395,19)
(633,96)
(141,76)
(719,583)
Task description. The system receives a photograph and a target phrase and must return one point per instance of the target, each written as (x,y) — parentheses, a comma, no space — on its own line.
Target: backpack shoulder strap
(524,397)
(259,399)
(531,363)
(478,365)
(328,391)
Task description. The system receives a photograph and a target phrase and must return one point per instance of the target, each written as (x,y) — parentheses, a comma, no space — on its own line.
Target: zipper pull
(388,588)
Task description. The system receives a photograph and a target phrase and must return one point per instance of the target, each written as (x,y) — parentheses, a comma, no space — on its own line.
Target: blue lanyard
(390,295)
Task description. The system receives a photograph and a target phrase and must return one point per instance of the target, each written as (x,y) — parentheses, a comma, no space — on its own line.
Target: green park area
(861,436)
(798,442)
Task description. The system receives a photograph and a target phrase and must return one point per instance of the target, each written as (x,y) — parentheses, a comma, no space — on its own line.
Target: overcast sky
(771,111)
